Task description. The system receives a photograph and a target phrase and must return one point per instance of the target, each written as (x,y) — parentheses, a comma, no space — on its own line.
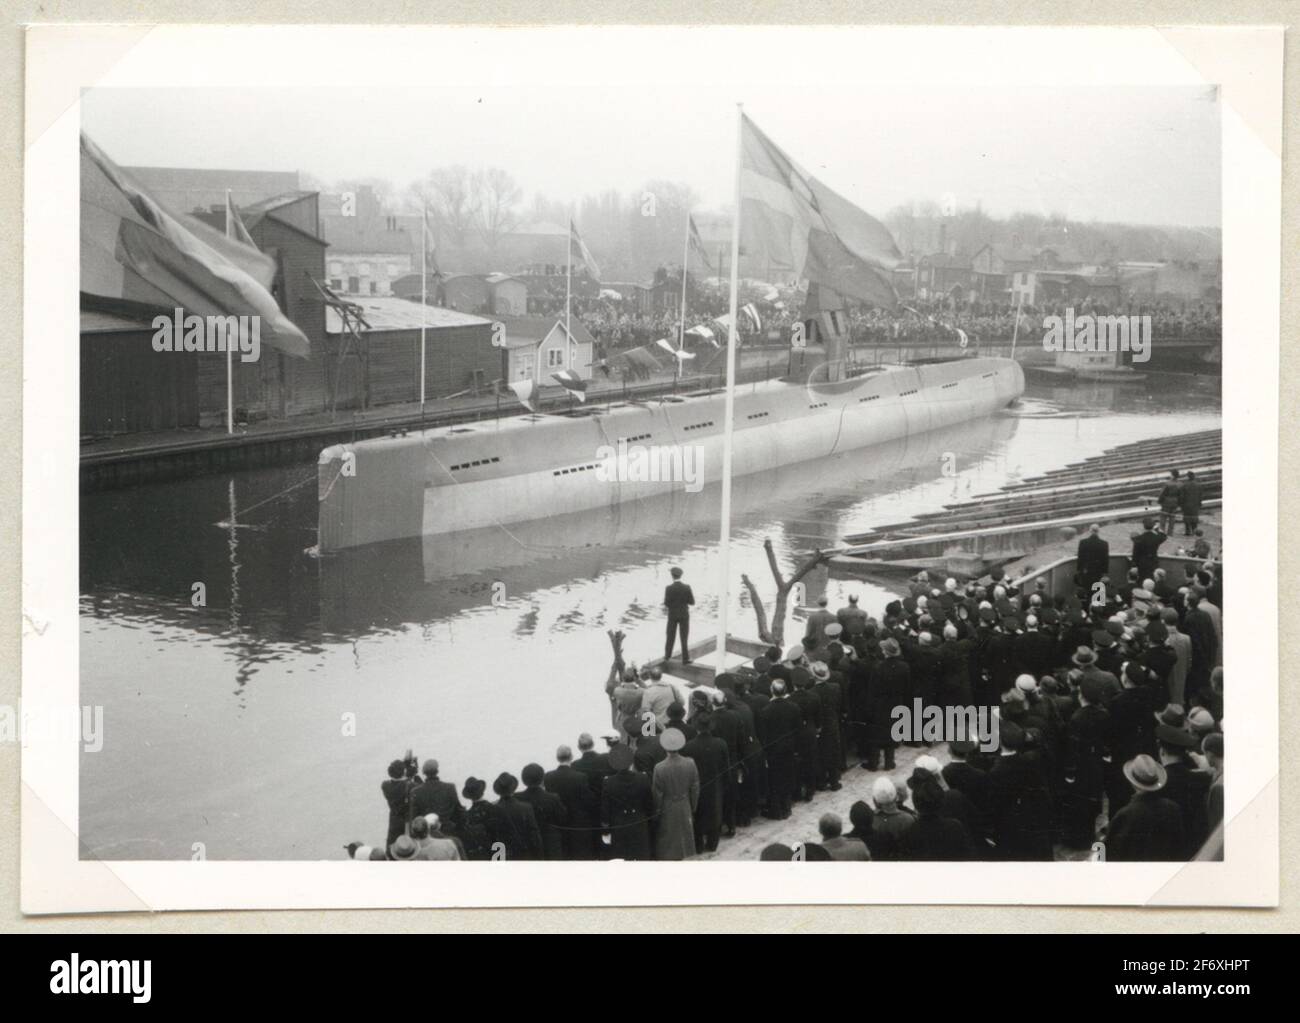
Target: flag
(749,310)
(705,334)
(427,240)
(680,354)
(793,223)
(572,383)
(697,243)
(235,225)
(135,250)
(524,392)
(575,240)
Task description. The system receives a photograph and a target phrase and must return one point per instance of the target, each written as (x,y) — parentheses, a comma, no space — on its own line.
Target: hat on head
(1173,715)
(1092,690)
(794,653)
(1084,656)
(672,740)
(1169,616)
(1156,632)
(890,647)
(433,820)
(1011,736)
(1213,743)
(1115,626)
(1143,594)
(1026,683)
(962,747)
(1179,737)
(505,784)
(776,853)
(987,614)
(621,757)
(1145,773)
(404,848)
(927,763)
(1201,720)
(1103,639)
(820,671)
(833,630)
(473,788)
(1134,672)
(362,852)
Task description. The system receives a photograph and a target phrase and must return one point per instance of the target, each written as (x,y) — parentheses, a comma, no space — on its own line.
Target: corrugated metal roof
(384,313)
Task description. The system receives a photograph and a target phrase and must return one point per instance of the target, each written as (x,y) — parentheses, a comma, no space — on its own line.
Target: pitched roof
(529,331)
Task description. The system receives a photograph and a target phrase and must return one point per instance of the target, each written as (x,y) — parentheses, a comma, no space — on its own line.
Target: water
(261,723)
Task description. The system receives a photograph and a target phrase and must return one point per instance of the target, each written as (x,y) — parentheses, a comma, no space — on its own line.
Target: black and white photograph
(624,447)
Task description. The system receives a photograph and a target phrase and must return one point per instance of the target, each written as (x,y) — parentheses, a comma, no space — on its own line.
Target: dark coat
(1035,653)
(955,660)
(596,767)
(1021,809)
(1187,788)
(935,837)
(478,831)
(1132,725)
(583,809)
(890,687)
(1088,742)
(649,751)
(927,674)
(1146,552)
(516,829)
(1092,560)
(678,598)
(1148,828)
(627,807)
(713,763)
(551,816)
(436,796)
(1190,497)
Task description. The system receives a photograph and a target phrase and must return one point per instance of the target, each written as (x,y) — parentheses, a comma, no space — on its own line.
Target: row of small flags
(524,390)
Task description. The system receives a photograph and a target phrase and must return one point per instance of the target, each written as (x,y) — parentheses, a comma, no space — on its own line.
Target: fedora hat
(505,784)
(820,671)
(1145,773)
(473,788)
(1084,656)
(672,740)
(1179,737)
(1173,715)
(404,848)
(621,757)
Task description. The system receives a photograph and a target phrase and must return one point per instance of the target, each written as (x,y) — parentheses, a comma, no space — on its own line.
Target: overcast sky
(567,117)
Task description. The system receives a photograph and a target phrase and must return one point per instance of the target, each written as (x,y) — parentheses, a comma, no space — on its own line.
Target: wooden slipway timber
(968,537)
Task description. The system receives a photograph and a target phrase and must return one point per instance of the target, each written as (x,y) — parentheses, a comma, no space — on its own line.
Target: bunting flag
(524,392)
(572,383)
(697,244)
(575,241)
(133,249)
(749,310)
(794,224)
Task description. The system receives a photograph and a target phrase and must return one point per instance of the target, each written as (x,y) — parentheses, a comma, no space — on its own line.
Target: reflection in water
(339,664)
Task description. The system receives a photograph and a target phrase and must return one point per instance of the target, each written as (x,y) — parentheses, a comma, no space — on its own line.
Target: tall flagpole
(1015,331)
(424,288)
(568,283)
(686,258)
(230,361)
(729,411)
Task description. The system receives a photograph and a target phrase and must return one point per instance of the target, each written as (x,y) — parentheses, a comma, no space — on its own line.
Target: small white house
(537,346)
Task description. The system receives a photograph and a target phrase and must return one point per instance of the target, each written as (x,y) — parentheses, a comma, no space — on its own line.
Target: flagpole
(424,290)
(729,411)
(1015,331)
(230,361)
(686,258)
(568,285)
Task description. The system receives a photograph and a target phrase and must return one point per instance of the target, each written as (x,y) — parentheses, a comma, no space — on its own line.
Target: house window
(555,358)
(354,284)
(336,283)
(374,288)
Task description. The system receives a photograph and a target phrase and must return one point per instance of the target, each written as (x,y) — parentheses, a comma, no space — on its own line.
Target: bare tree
(775,634)
(449,193)
(496,200)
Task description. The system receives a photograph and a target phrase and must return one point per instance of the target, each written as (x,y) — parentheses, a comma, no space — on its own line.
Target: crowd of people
(1108,703)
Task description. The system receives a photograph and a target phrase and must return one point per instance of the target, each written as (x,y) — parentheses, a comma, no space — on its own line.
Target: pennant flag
(697,243)
(575,240)
(524,392)
(704,334)
(749,310)
(133,249)
(235,225)
(680,353)
(793,223)
(572,383)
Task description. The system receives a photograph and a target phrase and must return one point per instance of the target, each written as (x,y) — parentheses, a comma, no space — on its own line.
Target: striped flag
(134,249)
(697,243)
(572,383)
(235,225)
(524,392)
(704,334)
(793,223)
(749,310)
(575,241)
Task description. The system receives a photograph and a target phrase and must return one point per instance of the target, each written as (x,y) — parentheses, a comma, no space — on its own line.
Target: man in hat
(479,830)
(713,762)
(1199,628)
(890,687)
(627,808)
(436,845)
(548,808)
(1169,499)
(817,622)
(960,775)
(1132,729)
(1092,560)
(657,697)
(927,670)
(594,765)
(1085,659)
(437,796)
(1087,748)
(830,750)
(516,824)
(404,848)
(852,618)
(936,836)
(891,821)
(809,704)
(1150,827)
(1181,645)
(1035,650)
(397,794)
(1189,500)
(1020,800)
(581,806)
(1158,657)
(626,698)
(676,788)
(779,723)
(678,600)
(1146,550)
(1187,786)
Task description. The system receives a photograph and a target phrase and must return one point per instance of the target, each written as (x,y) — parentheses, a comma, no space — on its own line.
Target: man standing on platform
(678,599)
(1092,559)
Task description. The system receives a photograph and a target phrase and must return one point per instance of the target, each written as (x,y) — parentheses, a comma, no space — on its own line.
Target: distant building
(466,293)
(941,275)
(370,246)
(508,295)
(1176,283)
(537,346)
(533,245)
(383,366)
(993,270)
(190,189)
